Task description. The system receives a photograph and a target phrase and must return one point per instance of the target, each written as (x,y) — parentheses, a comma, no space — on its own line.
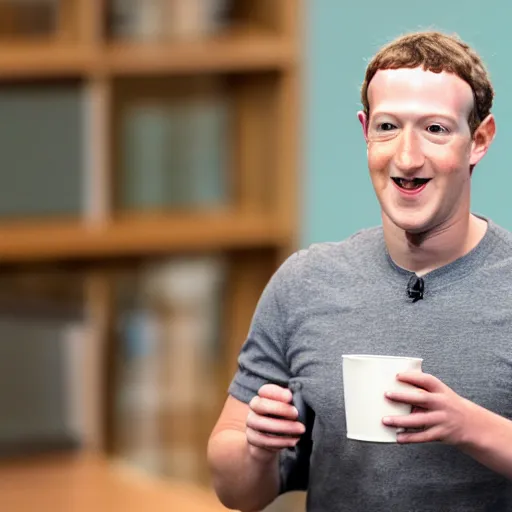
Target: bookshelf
(254,60)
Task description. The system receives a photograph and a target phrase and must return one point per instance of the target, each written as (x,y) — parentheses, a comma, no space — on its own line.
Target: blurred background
(160,159)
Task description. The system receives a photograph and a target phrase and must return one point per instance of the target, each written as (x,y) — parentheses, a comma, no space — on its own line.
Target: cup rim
(376,356)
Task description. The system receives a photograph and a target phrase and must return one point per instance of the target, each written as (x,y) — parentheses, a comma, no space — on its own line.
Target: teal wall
(340,39)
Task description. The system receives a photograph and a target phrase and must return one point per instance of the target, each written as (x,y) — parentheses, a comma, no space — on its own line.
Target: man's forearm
(241,481)
(490,442)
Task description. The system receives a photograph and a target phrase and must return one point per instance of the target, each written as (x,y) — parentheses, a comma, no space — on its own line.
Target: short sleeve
(262,358)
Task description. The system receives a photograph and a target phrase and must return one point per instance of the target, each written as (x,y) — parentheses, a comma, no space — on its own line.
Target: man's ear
(364,123)
(482,139)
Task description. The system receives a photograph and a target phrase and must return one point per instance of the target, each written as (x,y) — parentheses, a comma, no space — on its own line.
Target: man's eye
(436,128)
(385,127)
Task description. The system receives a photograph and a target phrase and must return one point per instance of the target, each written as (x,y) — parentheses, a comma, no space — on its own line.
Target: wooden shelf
(237,50)
(43,60)
(135,235)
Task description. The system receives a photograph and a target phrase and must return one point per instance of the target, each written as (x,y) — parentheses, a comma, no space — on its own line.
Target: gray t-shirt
(349,297)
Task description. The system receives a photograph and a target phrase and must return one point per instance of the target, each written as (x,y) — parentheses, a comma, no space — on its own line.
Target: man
(431,282)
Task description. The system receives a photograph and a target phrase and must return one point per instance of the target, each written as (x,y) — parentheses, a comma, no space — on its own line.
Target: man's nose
(409,155)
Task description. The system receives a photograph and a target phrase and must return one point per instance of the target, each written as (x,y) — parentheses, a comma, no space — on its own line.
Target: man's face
(420,146)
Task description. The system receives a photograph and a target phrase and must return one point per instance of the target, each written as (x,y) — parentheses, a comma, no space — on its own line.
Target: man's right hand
(272,422)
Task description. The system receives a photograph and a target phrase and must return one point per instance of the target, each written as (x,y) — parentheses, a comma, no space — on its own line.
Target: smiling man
(432,281)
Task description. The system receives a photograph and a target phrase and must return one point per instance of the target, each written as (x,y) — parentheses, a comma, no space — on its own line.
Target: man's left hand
(438,412)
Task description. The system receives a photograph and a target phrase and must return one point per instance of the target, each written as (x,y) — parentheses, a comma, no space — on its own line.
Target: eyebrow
(420,117)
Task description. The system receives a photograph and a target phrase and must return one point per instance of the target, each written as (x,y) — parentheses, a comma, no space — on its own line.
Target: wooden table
(88,483)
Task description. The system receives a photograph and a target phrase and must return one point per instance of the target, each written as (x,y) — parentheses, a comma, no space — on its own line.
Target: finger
(275,392)
(430,435)
(415,420)
(269,442)
(267,407)
(262,454)
(415,398)
(274,426)
(422,380)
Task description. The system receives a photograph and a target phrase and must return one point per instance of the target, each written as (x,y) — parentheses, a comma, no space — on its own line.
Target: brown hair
(436,52)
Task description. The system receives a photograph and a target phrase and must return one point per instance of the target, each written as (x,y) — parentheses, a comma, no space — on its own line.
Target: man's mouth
(412,183)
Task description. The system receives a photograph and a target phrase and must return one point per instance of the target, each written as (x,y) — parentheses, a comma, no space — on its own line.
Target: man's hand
(438,412)
(272,422)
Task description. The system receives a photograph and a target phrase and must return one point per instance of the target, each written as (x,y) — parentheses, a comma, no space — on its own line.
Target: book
(141,20)
(147,157)
(36,417)
(200,142)
(170,339)
(46,178)
(176,154)
(138,395)
(195,19)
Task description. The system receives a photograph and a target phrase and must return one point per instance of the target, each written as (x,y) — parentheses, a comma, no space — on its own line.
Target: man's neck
(422,253)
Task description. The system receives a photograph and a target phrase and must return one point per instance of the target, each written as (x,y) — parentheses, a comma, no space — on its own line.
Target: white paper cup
(365,380)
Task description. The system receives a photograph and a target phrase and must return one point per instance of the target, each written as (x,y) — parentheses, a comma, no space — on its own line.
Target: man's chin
(416,229)
(413,227)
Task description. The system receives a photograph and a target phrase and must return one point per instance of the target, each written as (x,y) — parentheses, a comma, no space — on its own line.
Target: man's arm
(243,451)
(447,417)
(491,442)
(241,481)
